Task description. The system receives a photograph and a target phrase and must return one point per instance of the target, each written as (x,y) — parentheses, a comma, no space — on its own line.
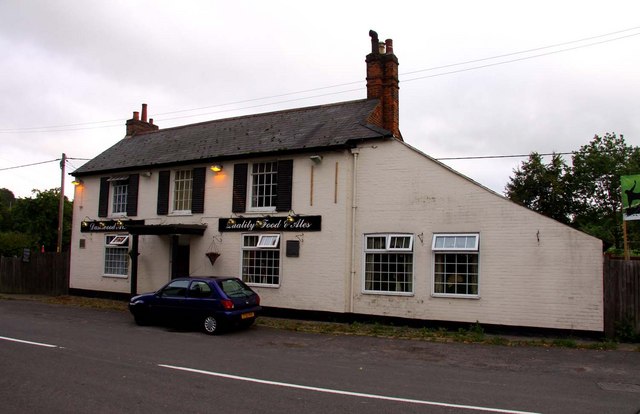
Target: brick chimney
(382,84)
(136,125)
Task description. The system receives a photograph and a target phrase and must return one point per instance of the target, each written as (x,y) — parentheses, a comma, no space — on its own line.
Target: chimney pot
(389,46)
(144,112)
(136,115)
(151,121)
(381,48)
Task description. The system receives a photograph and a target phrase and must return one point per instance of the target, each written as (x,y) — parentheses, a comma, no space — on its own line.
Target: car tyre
(210,325)
(141,319)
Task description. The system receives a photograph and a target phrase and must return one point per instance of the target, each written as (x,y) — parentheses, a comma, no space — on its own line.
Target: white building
(327,209)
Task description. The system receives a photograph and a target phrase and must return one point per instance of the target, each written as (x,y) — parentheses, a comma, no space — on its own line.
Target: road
(59,359)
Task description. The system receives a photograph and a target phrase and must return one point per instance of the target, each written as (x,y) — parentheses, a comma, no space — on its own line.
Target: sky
(477,78)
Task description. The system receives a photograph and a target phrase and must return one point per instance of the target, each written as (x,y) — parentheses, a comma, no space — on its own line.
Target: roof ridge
(249,116)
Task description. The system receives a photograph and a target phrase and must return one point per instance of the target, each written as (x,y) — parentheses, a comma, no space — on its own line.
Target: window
(116,257)
(118,195)
(388,266)
(176,289)
(182,187)
(199,290)
(455,264)
(261,259)
(264,185)
(119,190)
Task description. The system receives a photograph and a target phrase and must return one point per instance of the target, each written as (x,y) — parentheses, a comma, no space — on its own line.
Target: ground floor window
(455,269)
(388,263)
(261,259)
(116,255)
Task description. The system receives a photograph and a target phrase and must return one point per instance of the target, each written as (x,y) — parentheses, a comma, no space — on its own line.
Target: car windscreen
(235,289)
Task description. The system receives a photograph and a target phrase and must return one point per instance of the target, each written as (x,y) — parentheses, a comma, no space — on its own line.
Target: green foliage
(12,243)
(587,194)
(7,200)
(542,187)
(36,218)
(596,172)
(625,330)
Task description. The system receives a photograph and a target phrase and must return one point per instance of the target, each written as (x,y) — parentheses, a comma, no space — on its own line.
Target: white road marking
(340,392)
(28,342)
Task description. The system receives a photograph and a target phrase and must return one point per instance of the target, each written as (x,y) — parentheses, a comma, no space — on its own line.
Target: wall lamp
(292,216)
(261,222)
(216,167)
(316,158)
(77,182)
(85,221)
(232,219)
(146,174)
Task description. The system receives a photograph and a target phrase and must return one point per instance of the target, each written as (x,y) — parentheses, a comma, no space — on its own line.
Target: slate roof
(296,130)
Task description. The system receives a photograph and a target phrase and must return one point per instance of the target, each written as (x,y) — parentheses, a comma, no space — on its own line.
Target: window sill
(260,285)
(180,213)
(377,293)
(453,296)
(116,276)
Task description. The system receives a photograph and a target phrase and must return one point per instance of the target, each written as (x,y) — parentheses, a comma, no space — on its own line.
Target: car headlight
(137,302)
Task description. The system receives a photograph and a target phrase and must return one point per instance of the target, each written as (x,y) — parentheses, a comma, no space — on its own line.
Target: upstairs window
(456,270)
(120,191)
(388,263)
(264,185)
(182,185)
(181,191)
(118,196)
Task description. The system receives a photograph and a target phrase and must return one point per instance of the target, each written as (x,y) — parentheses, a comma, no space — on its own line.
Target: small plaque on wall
(293,248)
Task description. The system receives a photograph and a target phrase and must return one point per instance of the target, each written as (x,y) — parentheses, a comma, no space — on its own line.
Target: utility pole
(63,163)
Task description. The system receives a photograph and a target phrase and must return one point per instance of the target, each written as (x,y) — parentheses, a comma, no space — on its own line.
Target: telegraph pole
(63,163)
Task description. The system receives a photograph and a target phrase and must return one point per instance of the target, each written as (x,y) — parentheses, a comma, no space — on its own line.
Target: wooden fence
(40,274)
(621,298)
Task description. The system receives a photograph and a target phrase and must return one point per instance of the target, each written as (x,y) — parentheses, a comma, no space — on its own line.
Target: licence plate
(247,315)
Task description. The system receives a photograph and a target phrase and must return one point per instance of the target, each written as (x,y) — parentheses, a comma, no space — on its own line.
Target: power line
(482,157)
(29,165)
(42,162)
(71,127)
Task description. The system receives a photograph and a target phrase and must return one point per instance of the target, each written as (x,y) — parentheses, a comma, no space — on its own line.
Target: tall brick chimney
(382,84)
(136,125)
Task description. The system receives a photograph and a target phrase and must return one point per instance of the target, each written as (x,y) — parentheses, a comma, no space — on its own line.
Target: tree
(38,217)
(596,172)
(7,199)
(586,195)
(542,187)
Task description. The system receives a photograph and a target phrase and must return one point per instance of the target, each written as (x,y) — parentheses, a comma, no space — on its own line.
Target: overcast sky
(72,72)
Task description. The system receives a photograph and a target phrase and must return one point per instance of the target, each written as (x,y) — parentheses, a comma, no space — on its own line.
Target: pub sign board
(106,226)
(297,223)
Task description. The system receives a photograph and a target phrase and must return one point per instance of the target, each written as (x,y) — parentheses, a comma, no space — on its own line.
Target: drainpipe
(354,208)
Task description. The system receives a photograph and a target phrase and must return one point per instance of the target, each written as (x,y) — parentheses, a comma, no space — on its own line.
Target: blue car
(212,303)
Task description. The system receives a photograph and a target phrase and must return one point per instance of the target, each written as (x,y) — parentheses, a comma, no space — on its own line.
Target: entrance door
(179,258)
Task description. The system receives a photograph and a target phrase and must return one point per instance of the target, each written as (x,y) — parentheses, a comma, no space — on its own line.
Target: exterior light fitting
(216,167)
(77,182)
(292,216)
(316,158)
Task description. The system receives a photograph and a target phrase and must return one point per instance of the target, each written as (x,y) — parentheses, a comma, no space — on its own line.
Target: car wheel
(141,319)
(210,325)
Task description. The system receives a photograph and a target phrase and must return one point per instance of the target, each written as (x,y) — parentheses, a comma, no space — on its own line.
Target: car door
(171,302)
(201,300)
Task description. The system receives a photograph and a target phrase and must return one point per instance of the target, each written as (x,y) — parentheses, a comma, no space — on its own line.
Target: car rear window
(235,288)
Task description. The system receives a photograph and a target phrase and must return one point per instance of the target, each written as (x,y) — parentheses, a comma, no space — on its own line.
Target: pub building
(326,209)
